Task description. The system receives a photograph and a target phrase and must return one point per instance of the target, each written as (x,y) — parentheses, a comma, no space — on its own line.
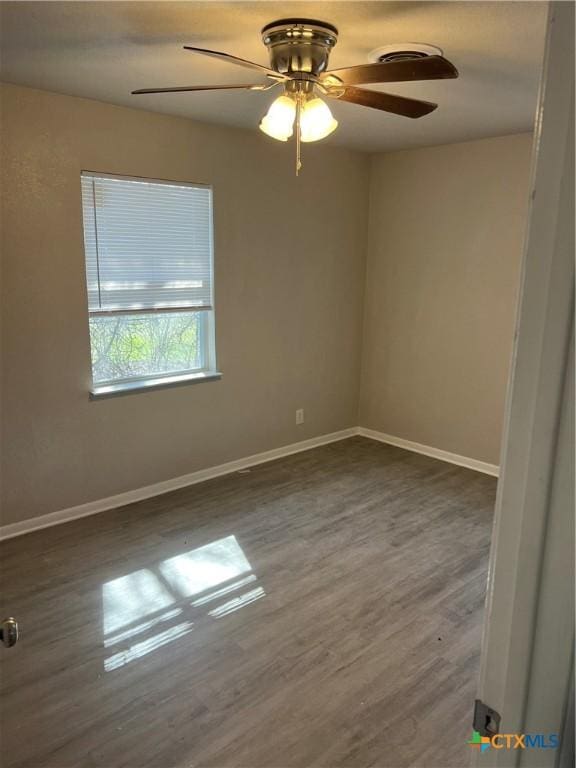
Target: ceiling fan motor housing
(299,46)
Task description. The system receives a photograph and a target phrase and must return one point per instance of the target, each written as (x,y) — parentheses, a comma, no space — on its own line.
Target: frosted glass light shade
(279,120)
(316,121)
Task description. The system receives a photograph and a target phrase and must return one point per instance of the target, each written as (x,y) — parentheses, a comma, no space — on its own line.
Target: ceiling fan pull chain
(298,113)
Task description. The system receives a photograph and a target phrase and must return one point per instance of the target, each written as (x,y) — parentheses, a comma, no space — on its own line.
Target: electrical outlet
(300,416)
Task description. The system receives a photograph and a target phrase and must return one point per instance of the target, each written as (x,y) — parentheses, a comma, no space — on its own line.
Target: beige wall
(289,267)
(445,245)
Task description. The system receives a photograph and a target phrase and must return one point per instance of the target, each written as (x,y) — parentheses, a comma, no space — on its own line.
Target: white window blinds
(148,244)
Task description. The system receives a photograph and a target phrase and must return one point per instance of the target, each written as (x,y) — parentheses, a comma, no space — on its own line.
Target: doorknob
(9,632)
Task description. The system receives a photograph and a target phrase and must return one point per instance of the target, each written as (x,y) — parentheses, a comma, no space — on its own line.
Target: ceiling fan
(299,50)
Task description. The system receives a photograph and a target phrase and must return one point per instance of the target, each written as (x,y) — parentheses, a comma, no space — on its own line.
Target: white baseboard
(426,450)
(157,489)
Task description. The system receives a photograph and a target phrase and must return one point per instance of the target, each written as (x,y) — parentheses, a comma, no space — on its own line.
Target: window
(148,248)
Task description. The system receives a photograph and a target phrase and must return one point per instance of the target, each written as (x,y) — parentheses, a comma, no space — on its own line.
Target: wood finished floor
(324,609)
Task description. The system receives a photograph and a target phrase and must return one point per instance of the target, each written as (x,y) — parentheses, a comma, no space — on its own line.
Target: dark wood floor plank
(340,627)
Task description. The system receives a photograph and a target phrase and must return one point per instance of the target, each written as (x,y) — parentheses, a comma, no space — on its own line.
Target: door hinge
(9,632)
(486,720)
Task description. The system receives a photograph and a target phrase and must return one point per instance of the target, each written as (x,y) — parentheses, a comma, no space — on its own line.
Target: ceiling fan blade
(388,102)
(427,68)
(236,60)
(181,89)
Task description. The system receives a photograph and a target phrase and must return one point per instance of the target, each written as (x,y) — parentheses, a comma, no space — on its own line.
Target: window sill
(145,385)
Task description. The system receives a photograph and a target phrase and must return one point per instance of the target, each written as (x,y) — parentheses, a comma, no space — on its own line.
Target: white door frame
(529,620)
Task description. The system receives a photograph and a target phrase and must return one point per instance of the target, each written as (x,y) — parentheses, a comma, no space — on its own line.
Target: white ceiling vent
(402,51)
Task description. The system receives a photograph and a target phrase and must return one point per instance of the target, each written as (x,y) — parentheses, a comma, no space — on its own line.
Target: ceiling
(103,50)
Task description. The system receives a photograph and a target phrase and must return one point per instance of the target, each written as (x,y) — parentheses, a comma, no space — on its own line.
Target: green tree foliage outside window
(144,345)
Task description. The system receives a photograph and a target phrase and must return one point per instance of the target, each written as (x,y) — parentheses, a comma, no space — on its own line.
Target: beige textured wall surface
(289,276)
(446,232)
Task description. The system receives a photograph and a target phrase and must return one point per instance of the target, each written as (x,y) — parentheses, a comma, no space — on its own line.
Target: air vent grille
(402,56)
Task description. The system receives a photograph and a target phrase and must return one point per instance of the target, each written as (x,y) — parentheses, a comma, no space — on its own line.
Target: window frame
(208,371)
(204,336)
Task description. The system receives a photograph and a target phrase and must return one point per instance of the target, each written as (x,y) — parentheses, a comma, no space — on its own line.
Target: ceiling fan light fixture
(316,120)
(299,51)
(278,122)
